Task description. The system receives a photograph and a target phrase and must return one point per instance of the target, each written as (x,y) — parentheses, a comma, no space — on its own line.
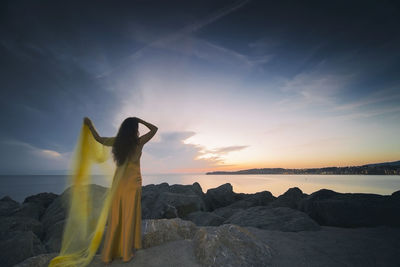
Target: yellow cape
(85,222)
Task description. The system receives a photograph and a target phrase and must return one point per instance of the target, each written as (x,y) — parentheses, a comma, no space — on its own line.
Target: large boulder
(41,260)
(333,246)
(221,196)
(53,236)
(17,223)
(8,206)
(17,246)
(150,194)
(54,217)
(227,211)
(43,199)
(352,210)
(30,209)
(34,206)
(164,201)
(183,203)
(262,198)
(290,199)
(194,188)
(205,218)
(159,231)
(230,245)
(281,218)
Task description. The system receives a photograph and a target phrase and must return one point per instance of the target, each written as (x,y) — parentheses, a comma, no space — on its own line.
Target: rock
(333,246)
(30,209)
(230,245)
(171,254)
(17,246)
(221,196)
(395,197)
(34,206)
(183,203)
(53,236)
(8,206)
(164,201)
(290,199)
(205,218)
(159,231)
(41,260)
(150,194)
(197,189)
(16,223)
(55,214)
(258,199)
(281,218)
(169,211)
(194,189)
(352,210)
(56,211)
(249,200)
(226,212)
(43,199)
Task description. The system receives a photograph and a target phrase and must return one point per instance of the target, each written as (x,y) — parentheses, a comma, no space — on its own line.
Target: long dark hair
(126,140)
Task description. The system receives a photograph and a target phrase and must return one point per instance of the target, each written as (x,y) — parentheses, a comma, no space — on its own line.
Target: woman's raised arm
(107,141)
(146,137)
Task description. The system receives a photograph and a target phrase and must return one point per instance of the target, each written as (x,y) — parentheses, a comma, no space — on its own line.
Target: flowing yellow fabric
(85,220)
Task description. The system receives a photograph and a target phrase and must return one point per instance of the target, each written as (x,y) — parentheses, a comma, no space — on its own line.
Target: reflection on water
(20,186)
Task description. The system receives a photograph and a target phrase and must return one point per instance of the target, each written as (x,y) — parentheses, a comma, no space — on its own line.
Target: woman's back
(133,164)
(135,155)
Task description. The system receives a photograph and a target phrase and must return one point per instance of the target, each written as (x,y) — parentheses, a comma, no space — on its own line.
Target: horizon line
(66,172)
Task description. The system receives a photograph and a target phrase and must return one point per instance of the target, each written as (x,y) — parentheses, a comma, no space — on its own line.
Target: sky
(230,84)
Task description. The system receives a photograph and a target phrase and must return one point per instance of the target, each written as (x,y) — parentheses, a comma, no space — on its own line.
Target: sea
(18,187)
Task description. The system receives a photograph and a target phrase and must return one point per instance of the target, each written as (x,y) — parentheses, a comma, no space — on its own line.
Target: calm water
(20,186)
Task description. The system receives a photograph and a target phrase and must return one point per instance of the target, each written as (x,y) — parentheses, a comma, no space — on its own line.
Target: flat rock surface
(333,246)
(329,246)
(170,254)
(281,218)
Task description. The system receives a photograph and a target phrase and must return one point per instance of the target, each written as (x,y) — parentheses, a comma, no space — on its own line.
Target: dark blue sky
(209,72)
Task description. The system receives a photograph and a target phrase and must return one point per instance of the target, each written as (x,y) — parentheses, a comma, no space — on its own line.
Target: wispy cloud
(171,153)
(317,88)
(48,153)
(23,157)
(218,154)
(387,94)
(172,37)
(227,149)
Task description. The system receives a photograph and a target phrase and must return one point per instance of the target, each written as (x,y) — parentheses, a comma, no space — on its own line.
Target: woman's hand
(87,121)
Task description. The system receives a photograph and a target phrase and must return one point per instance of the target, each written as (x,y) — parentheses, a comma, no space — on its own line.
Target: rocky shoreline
(183,226)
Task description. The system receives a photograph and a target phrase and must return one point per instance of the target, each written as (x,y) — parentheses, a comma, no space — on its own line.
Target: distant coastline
(385,168)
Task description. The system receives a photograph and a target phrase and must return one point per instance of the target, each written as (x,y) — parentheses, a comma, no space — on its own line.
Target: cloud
(383,95)
(218,154)
(171,154)
(171,38)
(228,149)
(51,153)
(315,87)
(23,158)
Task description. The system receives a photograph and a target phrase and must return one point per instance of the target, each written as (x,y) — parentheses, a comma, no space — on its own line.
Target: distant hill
(385,168)
(393,163)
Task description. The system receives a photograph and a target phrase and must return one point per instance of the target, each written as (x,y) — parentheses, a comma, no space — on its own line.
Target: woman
(124,220)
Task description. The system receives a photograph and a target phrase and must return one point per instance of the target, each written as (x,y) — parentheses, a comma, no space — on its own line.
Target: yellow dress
(119,205)
(125,217)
